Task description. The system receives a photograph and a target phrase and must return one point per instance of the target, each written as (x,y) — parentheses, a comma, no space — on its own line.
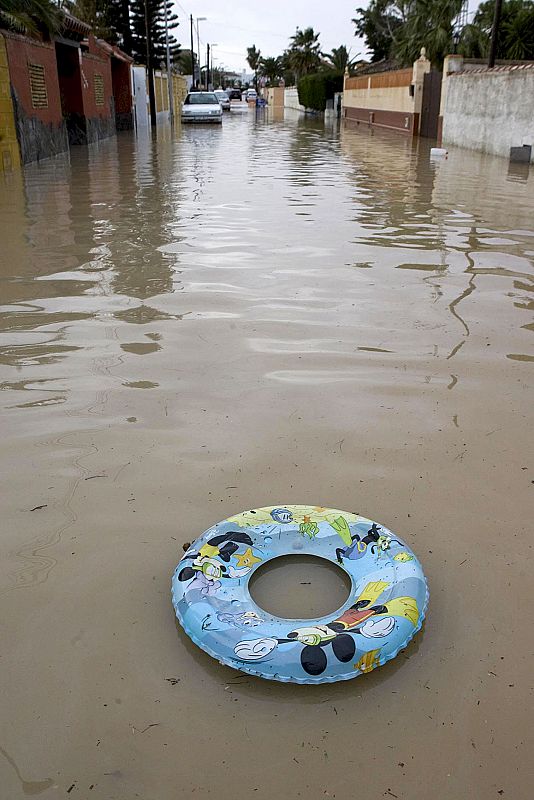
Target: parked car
(251,95)
(202,107)
(234,94)
(223,99)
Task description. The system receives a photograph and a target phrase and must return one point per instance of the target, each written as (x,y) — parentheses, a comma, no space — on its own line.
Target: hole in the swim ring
(299,587)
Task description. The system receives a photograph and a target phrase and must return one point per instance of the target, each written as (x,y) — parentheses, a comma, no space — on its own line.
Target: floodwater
(275,312)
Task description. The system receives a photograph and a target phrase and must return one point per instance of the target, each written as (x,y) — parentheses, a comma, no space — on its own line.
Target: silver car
(223,99)
(202,107)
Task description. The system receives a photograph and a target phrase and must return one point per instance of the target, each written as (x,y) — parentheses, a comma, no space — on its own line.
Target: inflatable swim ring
(385,608)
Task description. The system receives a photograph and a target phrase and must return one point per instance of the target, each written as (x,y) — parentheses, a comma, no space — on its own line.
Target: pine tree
(118,21)
(156,24)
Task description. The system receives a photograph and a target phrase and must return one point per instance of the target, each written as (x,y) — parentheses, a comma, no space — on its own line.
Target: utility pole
(169,73)
(192,52)
(198,51)
(150,69)
(207,67)
(199,19)
(126,33)
(495,33)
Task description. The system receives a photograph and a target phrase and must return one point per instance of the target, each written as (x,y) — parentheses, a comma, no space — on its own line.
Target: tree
(516,31)
(94,13)
(429,24)
(377,25)
(156,29)
(254,60)
(339,59)
(304,51)
(400,28)
(288,73)
(271,69)
(30,16)
(118,22)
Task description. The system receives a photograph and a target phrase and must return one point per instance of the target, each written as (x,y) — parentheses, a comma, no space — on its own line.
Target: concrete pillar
(420,68)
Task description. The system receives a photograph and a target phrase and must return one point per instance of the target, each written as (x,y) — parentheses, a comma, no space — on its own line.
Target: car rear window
(200,98)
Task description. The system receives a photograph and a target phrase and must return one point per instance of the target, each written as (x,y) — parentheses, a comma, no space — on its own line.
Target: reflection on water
(318,315)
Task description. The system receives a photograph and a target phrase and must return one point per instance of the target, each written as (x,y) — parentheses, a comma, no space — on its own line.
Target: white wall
(490,110)
(291,99)
(140,97)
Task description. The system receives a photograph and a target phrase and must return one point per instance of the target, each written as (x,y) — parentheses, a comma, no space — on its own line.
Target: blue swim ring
(385,609)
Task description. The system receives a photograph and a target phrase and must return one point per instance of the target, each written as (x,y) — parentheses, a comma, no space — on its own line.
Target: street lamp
(211,47)
(169,73)
(456,36)
(199,19)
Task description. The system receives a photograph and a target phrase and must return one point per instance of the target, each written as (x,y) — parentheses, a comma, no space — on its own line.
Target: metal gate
(430,107)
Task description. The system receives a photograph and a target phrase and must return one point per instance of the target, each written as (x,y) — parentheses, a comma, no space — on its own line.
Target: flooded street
(275,312)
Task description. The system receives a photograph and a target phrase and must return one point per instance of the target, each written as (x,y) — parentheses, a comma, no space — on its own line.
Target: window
(99,89)
(201,98)
(38,86)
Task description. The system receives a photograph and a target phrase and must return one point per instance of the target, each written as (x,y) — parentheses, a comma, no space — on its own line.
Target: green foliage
(315,89)
(377,25)
(30,16)
(516,31)
(339,59)
(95,13)
(271,69)
(156,30)
(304,52)
(399,28)
(254,61)
(429,24)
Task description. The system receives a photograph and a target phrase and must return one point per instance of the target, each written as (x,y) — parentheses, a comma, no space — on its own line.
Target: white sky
(236,25)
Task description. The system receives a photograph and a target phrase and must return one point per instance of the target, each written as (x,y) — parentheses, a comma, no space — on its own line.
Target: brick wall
(41,130)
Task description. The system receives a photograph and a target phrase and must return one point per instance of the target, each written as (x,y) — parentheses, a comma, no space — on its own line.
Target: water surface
(275,312)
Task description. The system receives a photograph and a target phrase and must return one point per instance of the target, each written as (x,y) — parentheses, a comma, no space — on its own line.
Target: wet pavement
(276,312)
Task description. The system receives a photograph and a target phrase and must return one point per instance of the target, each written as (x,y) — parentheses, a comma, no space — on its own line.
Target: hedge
(314,90)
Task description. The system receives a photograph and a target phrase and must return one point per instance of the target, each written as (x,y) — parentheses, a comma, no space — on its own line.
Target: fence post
(420,68)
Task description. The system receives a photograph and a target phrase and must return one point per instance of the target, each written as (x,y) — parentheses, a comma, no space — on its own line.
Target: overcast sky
(238,24)
(235,25)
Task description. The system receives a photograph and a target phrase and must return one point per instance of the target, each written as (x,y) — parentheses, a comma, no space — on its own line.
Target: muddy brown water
(274,312)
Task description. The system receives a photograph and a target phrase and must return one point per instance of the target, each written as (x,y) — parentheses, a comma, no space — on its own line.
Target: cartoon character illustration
(341,527)
(308,528)
(247,619)
(286,515)
(403,557)
(283,515)
(360,618)
(246,559)
(358,547)
(206,570)
(369,661)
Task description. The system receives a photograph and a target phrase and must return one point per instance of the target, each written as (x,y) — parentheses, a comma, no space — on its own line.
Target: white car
(223,99)
(251,95)
(202,107)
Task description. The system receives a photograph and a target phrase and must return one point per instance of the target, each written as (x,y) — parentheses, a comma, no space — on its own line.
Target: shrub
(314,90)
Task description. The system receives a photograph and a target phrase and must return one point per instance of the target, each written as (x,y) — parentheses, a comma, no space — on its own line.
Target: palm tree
(30,16)
(305,51)
(429,24)
(271,68)
(254,60)
(339,59)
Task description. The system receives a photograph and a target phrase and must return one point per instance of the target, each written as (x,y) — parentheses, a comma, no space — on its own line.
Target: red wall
(93,62)
(122,87)
(20,51)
